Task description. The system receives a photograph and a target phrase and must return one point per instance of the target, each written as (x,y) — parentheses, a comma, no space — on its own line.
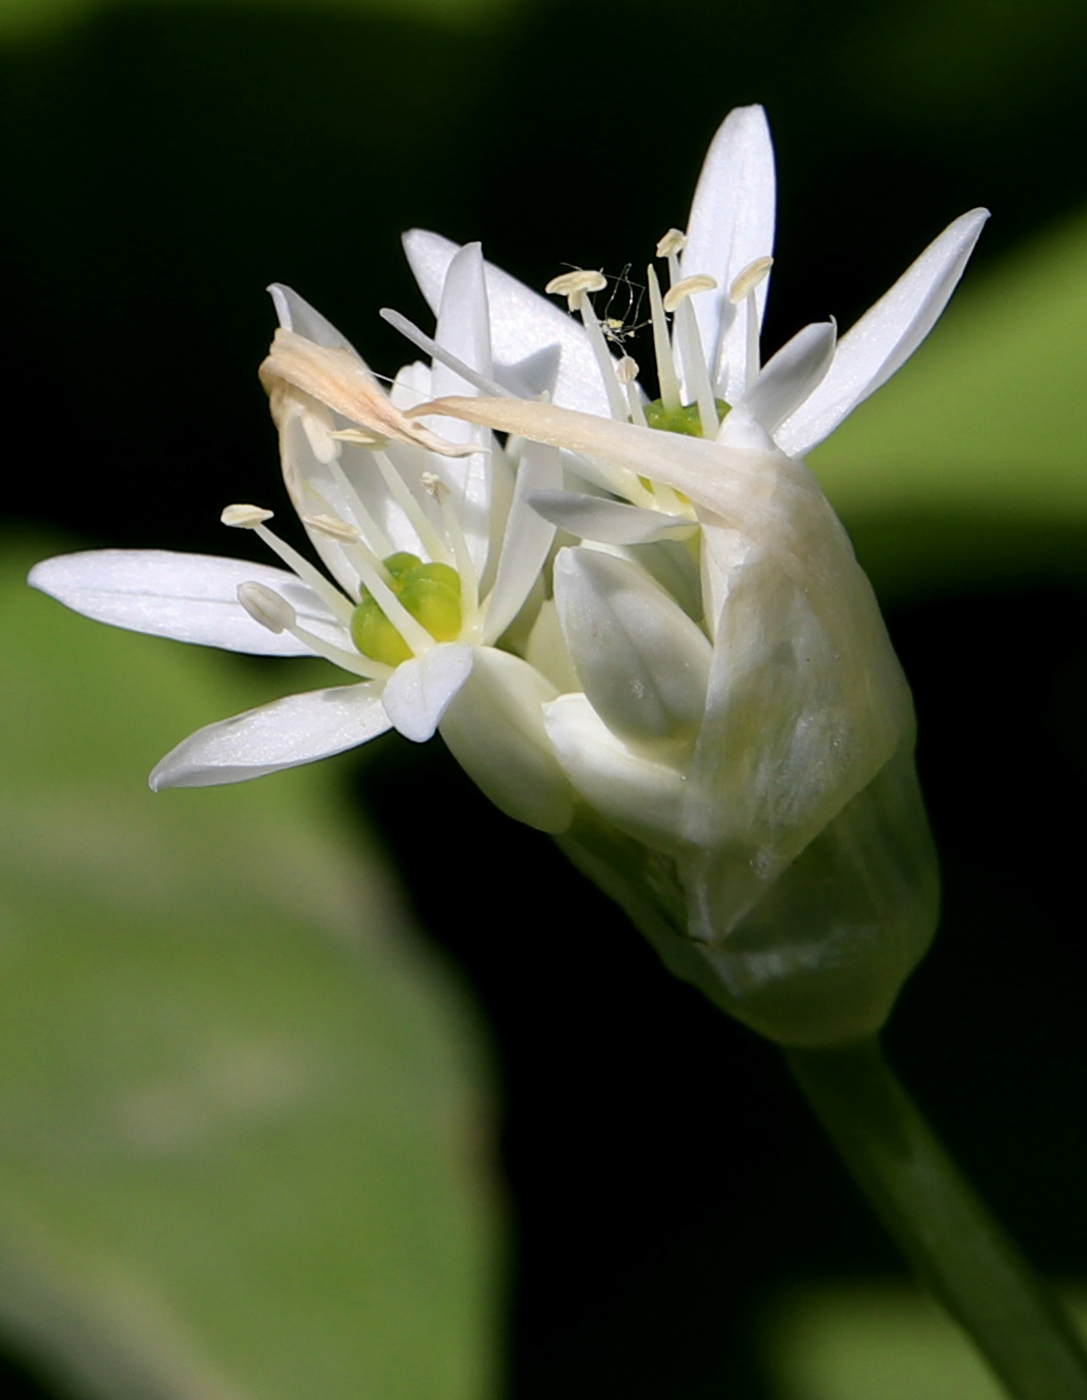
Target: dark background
(164,163)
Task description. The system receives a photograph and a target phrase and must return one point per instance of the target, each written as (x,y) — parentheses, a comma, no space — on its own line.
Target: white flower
(433,550)
(706,710)
(748,756)
(719,272)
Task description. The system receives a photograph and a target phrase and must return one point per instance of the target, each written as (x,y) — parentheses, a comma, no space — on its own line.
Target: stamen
(359,437)
(677,300)
(245,517)
(266,606)
(666,370)
(469,579)
(402,494)
(748,278)
(574,285)
(679,291)
(252,518)
(626,371)
(616,399)
(674,241)
(371,531)
(743,289)
(438,352)
(271,610)
(334,528)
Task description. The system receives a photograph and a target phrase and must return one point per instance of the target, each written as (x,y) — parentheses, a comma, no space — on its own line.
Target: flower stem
(956,1248)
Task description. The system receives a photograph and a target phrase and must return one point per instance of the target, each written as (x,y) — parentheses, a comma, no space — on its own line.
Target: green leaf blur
(27,18)
(971,463)
(243,1131)
(876,1340)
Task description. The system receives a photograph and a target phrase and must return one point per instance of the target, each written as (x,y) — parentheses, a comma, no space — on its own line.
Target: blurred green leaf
(20,18)
(876,1341)
(973,459)
(243,1133)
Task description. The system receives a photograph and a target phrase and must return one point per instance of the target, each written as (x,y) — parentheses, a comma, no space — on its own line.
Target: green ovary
(686,419)
(430,592)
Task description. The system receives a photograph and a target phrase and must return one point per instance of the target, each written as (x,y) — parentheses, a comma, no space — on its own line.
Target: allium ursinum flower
(433,550)
(743,747)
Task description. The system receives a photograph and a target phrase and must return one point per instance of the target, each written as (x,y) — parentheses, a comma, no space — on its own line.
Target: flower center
(686,418)
(430,592)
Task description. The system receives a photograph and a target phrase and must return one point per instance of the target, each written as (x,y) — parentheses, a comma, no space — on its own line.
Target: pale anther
(574,285)
(334,528)
(748,279)
(359,436)
(245,517)
(266,607)
(433,485)
(674,241)
(700,282)
(626,370)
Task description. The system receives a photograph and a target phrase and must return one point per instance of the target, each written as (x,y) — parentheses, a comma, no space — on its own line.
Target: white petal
(885,336)
(284,734)
(547,650)
(794,726)
(642,797)
(411,387)
(527,540)
(611,522)
(416,696)
(188,597)
(641,660)
(792,374)
(494,728)
(464,326)
(731,224)
(296,314)
(463,321)
(524,324)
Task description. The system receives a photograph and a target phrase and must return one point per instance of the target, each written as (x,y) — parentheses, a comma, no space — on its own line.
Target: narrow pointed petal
(298,729)
(464,327)
(524,325)
(640,796)
(527,540)
(296,314)
(186,597)
(494,729)
(792,374)
(464,321)
(339,379)
(885,336)
(641,660)
(611,522)
(731,224)
(416,696)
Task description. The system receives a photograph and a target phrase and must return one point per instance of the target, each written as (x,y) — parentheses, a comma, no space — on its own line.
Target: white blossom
(696,692)
(382,498)
(747,757)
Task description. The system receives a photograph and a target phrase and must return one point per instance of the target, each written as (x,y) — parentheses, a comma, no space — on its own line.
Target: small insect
(622,316)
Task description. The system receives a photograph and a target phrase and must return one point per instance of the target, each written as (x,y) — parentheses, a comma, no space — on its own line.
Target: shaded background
(163,162)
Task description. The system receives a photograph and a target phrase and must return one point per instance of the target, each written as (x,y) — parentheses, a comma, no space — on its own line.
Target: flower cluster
(636,622)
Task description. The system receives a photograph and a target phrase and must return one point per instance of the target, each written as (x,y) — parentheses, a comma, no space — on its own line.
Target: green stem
(955,1246)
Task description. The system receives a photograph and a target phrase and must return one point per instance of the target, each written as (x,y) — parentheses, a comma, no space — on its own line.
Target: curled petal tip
(336,377)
